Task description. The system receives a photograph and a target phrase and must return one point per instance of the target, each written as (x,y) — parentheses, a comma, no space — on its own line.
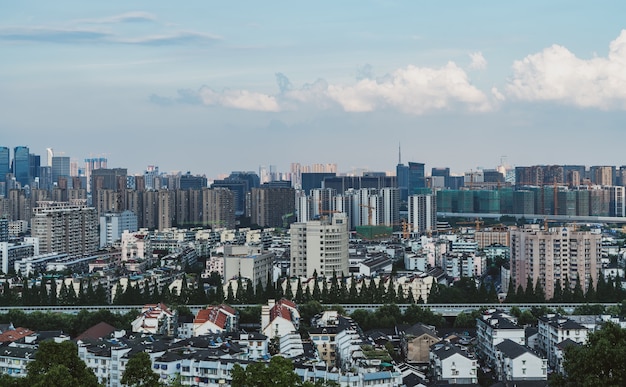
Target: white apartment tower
(423,213)
(559,253)
(320,246)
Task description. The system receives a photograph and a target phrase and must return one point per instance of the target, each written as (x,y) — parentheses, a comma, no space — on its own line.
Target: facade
(112,225)
(555,256)
(11,253)
(515,363)
(154,319)
(492,328)
(449,364)
(248,262)
(554,329)
(417,341)
(269,204)
(423,213)
(218,207)
(215,319)
(320,246)
(65,228)
(21,165)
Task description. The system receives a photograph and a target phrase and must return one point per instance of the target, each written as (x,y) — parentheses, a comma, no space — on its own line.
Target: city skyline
(211,88)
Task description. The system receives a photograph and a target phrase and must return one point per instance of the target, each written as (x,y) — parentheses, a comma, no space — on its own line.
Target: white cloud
(411,90)
(478,61)
(239,99)
(556,74)
(127,17)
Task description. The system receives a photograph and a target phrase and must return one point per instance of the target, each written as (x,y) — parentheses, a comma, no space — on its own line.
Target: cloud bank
(411,90)
(556,74)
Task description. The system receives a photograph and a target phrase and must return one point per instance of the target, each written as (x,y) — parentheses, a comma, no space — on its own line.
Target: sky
(215,86)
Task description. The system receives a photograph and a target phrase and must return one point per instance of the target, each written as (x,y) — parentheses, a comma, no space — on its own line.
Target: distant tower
(50,152)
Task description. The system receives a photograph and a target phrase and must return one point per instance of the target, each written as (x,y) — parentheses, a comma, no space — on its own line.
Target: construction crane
(369,213)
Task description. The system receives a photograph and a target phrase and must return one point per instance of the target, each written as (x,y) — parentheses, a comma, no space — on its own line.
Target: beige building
(70,228)
(559,253)
(218,207)
(320,246)
(248,262)
(492,236)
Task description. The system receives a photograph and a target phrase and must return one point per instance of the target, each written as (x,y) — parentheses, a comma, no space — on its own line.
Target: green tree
(58,364)
(278,372)
(138,372)
(599,362)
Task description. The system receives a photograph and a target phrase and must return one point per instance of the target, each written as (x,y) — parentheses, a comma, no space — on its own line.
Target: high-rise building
(4,230)
(21,165)
(5,162)
(320,246)
(423,213)
(555,257)
(5,169)
(34,164)
(112,225)
(312,180)
(390,200)
(70,228)
(417,178)
(269,204)
(60,168)
(218,207)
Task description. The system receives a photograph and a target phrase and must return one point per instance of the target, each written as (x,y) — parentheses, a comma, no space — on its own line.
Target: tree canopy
(58,364)
(599,362)
(138,372)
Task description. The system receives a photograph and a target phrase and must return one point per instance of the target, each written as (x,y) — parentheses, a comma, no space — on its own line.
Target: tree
(279,372)
(599,362)
(58,364)
(138,372)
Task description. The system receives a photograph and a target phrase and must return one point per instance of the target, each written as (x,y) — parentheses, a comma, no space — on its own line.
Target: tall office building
(558,254)
(21,165)
(320,246)
(423,213)
(5,169)
(5,162)
(70,228)
(417,178)
(60,168)
(34,164)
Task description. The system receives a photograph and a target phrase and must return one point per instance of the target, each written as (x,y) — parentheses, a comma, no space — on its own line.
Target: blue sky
(211,86)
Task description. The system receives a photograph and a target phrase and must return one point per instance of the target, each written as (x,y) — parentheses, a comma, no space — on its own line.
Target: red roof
(279,310)
(14,335)
(287,302)
(214,314)
(98,331)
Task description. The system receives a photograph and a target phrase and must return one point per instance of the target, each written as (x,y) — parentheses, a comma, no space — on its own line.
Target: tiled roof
(97,331)
(511,349)
(214,314)
(14,335)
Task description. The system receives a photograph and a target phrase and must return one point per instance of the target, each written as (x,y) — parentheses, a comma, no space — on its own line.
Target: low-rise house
(451,365)
(515,362)
(155,319)
(492,328)
(215,319)
(417,341)
(554,329)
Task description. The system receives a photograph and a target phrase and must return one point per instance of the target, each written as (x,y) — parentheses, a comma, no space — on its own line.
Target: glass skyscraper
(21,165)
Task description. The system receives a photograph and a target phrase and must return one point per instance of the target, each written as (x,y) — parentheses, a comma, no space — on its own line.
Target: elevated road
(447,310)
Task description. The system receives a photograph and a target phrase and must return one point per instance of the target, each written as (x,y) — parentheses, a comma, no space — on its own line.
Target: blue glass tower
(21,165)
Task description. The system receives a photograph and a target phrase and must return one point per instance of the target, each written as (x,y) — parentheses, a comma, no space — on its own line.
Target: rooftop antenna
(399,154)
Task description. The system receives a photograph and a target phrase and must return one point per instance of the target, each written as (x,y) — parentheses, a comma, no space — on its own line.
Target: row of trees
(336,290)
(604,291)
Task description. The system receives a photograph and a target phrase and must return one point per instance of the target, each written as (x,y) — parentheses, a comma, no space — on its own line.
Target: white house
(449,364)
(494,327)
(155,318)
(215,319)
(553,329)
(516,362)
